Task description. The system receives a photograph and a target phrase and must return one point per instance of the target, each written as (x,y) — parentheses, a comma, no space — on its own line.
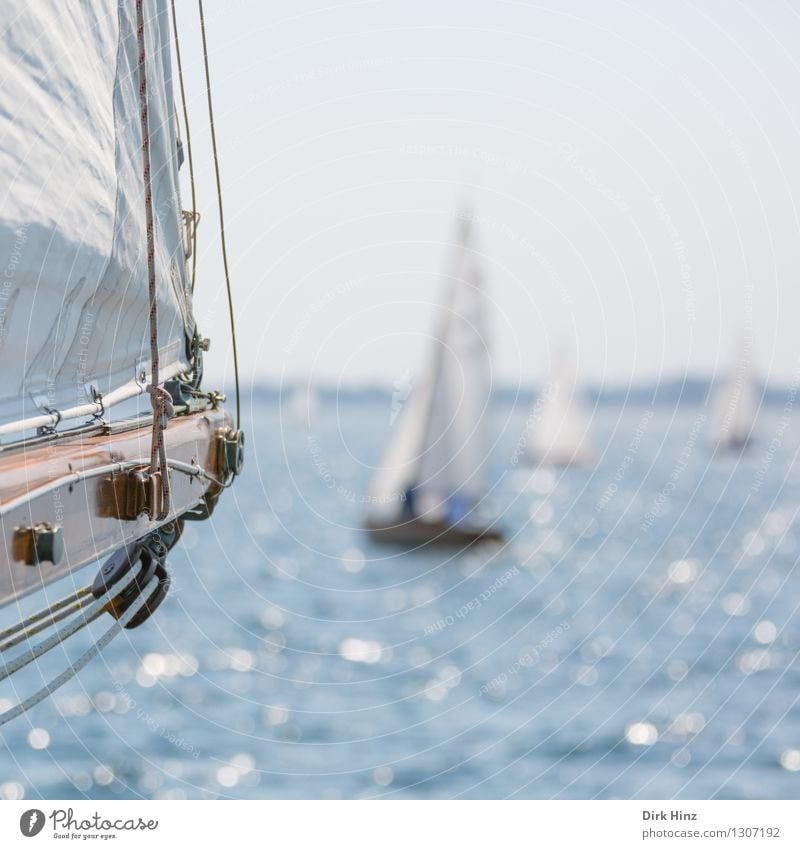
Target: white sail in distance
(302,403)
(560,426)
(438,445)
(735,401)
(74,300)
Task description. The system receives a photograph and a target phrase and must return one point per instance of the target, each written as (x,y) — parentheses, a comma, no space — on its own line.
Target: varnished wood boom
(84,489)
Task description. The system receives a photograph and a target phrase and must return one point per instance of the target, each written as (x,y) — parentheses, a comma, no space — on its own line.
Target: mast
(424,454)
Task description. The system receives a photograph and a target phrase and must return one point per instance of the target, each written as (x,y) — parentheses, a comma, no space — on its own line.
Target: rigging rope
(82,604)
(74,668)
(44,613)
(221,215)
(46,622)
(92,612)
(158,395)
(188,142)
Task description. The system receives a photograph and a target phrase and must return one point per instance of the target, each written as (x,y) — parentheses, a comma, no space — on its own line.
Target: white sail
(302,403)
(438,448)
(74,300)
(399,466)
(735,402)
(559,424)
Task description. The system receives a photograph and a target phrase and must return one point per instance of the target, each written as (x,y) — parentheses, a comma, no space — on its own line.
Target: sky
(632,171)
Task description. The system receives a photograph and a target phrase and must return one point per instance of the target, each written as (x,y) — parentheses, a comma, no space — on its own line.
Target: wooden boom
(70,501)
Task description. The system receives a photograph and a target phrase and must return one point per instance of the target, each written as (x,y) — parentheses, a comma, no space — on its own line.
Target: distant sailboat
(432,478)
(302,402)
(734,403)
(559,424)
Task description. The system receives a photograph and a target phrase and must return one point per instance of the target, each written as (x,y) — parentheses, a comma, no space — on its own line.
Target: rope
(45,623)
(188,142)
(72,670)
(158,451)
(221,215)
(45,612)
(93,611)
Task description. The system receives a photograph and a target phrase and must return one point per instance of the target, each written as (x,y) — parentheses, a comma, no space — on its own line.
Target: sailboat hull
(733,444)
(564,460)
(416,532)
(63,483)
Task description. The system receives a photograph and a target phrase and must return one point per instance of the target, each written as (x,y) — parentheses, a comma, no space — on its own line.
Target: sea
(636,635)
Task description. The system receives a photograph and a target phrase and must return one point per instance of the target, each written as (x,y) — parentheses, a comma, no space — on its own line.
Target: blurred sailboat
(560,425)
(432,479)
(734,403)
(302,402)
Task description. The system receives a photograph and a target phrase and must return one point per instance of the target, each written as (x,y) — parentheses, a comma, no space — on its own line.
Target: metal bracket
(231,451)
(38,544)
(140,373)
(45,404)
(182,399)
(203,510)
(129,495)
(191,220)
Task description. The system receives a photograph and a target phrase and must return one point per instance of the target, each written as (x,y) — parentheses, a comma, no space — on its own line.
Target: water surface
(636,637)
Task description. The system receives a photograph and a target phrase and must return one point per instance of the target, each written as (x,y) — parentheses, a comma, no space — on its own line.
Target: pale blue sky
(633,168)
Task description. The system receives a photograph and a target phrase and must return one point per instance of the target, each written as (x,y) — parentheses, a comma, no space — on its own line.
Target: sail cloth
(560,426)
(735,401)
(74,301)
(438,450)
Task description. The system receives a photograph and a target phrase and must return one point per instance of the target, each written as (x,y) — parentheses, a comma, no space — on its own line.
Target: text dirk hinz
(673,815)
